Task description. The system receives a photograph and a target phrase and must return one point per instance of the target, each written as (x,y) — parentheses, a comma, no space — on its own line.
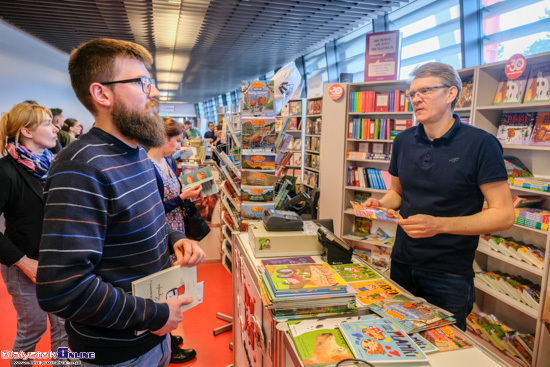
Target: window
(430,31)
(511,27)
(315,63)
(350,53)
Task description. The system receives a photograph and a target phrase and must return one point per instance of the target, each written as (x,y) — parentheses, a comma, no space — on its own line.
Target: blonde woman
(26,135)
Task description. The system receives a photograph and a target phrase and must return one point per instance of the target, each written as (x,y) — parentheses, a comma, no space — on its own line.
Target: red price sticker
(515,66)
(335,91)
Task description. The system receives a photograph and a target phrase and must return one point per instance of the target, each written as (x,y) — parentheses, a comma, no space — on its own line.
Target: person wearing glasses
(441,172)
(106,224)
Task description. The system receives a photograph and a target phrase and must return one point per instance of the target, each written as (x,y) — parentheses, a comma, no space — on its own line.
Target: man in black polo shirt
(441,172)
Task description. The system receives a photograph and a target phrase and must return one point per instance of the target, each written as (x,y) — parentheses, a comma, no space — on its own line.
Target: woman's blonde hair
(22,115)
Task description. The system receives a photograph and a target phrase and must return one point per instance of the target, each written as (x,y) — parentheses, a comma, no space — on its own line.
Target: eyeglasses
(145,82)
(423,91)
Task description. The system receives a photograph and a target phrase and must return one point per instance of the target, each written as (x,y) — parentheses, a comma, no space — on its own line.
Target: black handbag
(195,225)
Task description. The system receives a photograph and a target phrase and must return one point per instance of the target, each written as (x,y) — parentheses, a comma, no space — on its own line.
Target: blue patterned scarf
(37,165)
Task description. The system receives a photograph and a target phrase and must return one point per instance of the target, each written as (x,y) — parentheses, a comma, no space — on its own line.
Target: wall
(32,69)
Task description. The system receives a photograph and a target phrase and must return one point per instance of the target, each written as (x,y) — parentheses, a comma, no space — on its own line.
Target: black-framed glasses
(145,82)
(423,91)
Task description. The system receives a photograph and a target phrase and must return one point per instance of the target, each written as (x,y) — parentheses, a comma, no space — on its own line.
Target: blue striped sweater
(104,226)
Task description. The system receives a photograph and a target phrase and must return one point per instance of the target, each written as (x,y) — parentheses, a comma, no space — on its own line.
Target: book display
(295,111)
(522,125)
(312,143)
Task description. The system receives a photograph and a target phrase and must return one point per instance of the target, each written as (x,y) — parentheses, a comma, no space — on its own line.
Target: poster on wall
(315,87)
(383,56)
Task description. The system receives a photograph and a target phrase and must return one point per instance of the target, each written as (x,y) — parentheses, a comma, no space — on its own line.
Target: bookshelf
(312,143)
(295,110)
(482,114)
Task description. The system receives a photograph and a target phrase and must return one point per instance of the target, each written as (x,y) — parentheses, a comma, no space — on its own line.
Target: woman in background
(26,135)
(73,127)
(171,192)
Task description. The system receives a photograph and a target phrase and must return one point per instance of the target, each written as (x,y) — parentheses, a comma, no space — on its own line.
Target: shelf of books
(312,143)
(513,277)
(295,111)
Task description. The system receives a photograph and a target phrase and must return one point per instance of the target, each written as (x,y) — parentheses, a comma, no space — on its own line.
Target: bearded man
(104,219)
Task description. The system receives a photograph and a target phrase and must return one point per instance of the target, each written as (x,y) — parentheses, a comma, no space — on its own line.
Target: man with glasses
(441,172)
(104,219)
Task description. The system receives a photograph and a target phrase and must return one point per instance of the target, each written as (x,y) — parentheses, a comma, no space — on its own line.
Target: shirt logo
(454,160)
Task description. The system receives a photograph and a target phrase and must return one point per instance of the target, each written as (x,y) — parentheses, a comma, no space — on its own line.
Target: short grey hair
(445,72)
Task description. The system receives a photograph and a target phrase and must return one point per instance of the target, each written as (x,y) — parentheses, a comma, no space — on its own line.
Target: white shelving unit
(484,115)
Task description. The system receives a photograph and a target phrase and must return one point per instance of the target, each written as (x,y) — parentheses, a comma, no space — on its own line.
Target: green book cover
(355,272)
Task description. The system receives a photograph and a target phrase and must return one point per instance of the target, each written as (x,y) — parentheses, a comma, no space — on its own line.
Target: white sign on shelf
(315,87)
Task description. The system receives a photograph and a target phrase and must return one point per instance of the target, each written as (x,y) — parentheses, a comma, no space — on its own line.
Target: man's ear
(101,94)
(451,96)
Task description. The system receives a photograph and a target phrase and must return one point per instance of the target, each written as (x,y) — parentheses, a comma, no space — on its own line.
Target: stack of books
(514,286)
(515,249)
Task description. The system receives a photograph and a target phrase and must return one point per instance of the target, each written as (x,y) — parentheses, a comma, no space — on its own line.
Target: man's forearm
(391,200)
(486,221)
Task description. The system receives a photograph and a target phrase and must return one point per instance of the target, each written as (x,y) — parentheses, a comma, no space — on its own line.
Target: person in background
(106,222)
(26,134)
(63,137)
(73,127)
(191,132)
(441,171)
(210,135)
(171,191)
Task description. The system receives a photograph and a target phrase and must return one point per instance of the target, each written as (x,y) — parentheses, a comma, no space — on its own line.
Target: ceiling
(201,48)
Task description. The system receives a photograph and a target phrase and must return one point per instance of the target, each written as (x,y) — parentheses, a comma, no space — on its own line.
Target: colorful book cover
(251,210)
(295,108)
(537,86)
(258,160)
(289,260)
(381,342)
(258,132)
(257,193)
(424,344)
(355,272)
(412,314)
(511,91)
(374,212)
(371,291)
(446,338)
(258,179)
(319,342)
(304,278)
(258,98)
(541,130)
(515,128)
(465,98)
(202,176)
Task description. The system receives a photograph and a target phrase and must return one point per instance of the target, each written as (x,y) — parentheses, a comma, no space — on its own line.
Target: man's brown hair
(94,61)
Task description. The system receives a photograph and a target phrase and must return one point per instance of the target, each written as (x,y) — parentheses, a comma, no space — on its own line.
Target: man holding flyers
(441,172)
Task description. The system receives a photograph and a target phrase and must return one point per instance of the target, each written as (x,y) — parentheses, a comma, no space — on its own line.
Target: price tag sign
(336,91)
(515,66)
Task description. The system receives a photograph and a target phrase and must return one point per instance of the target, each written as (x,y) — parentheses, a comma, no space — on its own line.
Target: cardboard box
(287,244)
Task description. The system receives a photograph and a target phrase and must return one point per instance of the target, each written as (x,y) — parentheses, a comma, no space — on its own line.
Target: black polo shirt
(442,178)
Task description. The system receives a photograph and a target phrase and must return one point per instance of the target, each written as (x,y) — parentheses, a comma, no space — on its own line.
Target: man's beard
(146,128)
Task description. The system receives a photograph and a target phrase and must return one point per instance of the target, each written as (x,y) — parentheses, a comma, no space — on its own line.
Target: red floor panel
(196,328)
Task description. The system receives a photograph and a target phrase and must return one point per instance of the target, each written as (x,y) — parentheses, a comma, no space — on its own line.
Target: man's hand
(29,267)
(175,315)
(421,225)
(372,202)
(188,253)
(191,192)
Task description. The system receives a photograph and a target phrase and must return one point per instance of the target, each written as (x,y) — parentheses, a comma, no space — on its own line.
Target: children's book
(173,282)
(295,108)
(412,315)
(537,86)
(251,210)
(258,160)
(258,98)
(371,291)
(289,260)
(541,130)
(465,98)
(446,338)
(319,342)
(375,212)
(258,132)
(258,179)
(303,278)
(511,91)
(381,342)
(202,176)
(515,128)
(257,193)
(356,272)
(362,226)
(424,344)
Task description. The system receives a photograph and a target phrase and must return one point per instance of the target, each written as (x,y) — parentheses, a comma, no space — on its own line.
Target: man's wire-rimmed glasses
(145,82)
(423,91)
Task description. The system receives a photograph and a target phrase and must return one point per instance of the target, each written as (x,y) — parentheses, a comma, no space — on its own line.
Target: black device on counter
(282,220)
(338,252)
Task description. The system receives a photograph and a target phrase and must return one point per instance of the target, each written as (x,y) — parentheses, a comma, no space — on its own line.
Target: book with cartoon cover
(381,341)
(202,176)
(372,212)
(538,84)
(511,91)
(412,314)
(515,128)
(258,132)
(376,290)
(446,338)
(258,98)
(303,278)
(541,130)
(355,272)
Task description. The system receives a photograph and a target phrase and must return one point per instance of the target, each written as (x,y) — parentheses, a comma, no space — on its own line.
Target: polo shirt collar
(421,133)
